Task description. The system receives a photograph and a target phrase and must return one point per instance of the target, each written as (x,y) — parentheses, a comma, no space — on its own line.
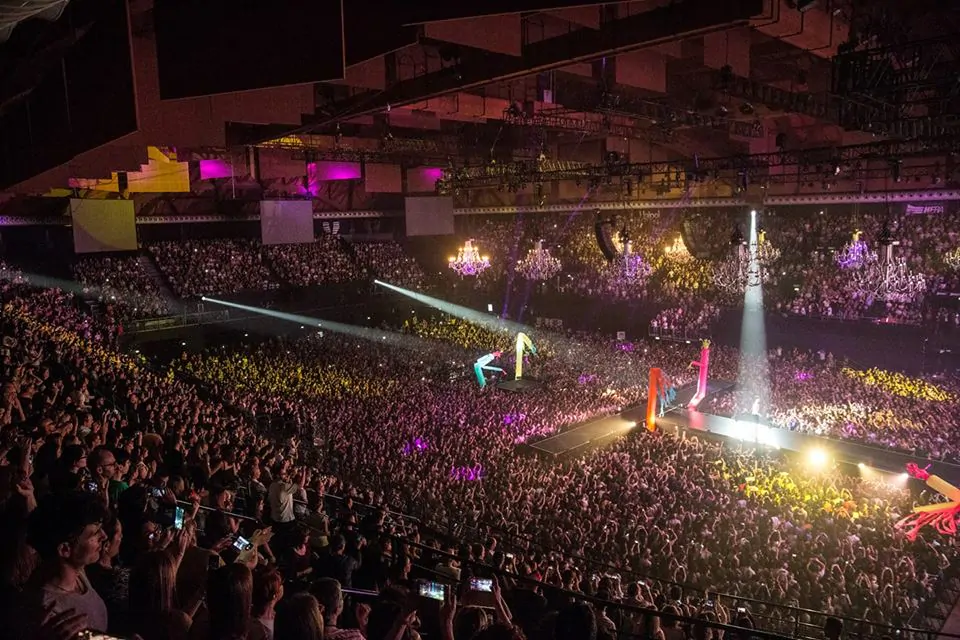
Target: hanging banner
(924,209)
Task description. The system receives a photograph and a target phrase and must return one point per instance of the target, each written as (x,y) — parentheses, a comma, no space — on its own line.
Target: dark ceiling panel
(420,12)
(82,101)
(373,30)
(614,37)
(221,46)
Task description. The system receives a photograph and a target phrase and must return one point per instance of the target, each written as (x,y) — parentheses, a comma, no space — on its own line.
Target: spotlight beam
(485,320)
(379,336)
(80,290)
(754,373)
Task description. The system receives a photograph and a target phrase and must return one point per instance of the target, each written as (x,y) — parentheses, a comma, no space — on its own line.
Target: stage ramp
(579,439)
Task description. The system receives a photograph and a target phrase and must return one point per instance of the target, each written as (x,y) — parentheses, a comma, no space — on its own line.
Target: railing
(795,622)
(769,620)
(165,323)
(678,335)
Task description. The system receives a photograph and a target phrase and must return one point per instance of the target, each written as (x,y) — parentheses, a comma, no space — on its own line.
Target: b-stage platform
(578,439)
(520,386)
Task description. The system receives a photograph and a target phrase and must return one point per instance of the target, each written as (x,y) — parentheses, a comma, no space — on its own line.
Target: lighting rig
(667,117)
(872,160)
(562,122)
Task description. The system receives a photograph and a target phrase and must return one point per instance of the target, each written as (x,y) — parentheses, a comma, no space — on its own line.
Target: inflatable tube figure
(482,364)
(704,366)
(524,343)
(942,515)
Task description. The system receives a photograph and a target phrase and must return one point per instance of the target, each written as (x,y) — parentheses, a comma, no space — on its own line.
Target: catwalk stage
(581,438)
(756,430)
(749,429)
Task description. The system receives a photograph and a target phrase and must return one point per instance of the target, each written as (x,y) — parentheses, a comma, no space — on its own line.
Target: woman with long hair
(152,611)
(229,602)
(299,617)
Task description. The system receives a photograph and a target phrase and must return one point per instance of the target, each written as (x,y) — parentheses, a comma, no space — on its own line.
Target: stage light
(817,458)
(904,476)
(861,465)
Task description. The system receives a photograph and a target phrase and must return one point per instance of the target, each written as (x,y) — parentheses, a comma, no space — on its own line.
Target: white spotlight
(817,458)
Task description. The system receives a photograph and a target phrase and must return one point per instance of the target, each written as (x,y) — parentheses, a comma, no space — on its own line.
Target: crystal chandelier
(952,258)
(633,266)
(538,264)
(888,278)
(469,262)
(767,254)
(855,254)
(733,274)
(678,252)
(741,270)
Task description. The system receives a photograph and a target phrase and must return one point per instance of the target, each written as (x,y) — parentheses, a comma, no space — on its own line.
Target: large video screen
(103,225)
(429,216)
(286,221)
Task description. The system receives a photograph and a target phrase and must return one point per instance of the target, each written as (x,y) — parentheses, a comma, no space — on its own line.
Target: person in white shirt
(282,492)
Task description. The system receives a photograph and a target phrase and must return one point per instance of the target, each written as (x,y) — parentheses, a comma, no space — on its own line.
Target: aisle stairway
(153,272)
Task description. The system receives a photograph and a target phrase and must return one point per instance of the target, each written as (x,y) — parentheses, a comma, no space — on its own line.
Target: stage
(752,429)
(519,385)
(577,439)
(580,438)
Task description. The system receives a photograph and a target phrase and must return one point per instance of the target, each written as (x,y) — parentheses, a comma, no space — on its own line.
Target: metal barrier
(146,325)
(770,620)
(795,622)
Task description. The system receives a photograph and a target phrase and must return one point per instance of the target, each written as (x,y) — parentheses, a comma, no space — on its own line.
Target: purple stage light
(215,168)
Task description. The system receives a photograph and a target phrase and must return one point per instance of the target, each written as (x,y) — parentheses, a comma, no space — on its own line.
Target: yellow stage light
(817,458)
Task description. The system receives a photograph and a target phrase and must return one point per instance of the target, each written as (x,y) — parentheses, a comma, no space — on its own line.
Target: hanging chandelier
(469,262)
(952,258)
(741,269)
(678,252)
(632,265)
(732,275)
(855,254)
(629,269)
(767,254)
(888,278)
(538,264)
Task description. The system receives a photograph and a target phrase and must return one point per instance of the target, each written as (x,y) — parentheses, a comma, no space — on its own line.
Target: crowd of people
(627,506)
(662,272)
(197,500)
(815,393)
(196,268)
(324,261)
(122,283)
(690,322)
(388,261)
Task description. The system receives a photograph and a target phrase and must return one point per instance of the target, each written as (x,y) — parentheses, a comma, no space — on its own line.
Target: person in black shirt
(337,564)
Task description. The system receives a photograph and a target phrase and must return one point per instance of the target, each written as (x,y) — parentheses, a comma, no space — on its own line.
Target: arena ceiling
(649,80)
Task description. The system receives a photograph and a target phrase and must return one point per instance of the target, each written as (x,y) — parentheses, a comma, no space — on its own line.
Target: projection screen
(429,216)
(286,221)
(103,225)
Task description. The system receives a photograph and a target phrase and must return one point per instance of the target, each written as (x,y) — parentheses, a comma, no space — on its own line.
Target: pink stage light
(215,168)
